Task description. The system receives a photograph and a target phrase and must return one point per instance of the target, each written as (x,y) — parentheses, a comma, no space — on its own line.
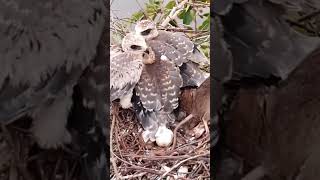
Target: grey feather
(184,46)
(46,46)
(179,41)
(162,48)
(175,46)
(222,57)
(49,48)
(125,72)
(264,45)
(192,75)
(159,86)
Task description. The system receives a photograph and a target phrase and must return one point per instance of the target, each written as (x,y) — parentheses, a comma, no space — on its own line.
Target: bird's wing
(115,50)
(151,120)
(42,54)
(45,48)
(125,72)
(298,5)
(184,45)
(159,86)
(179,41)
(223,7)
(222,57)
(161,48)
(263,45)
(192,75)
(92,128)
(191,57)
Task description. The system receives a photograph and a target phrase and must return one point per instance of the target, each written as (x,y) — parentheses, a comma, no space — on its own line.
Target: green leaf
(170,5)
(182,14)
(206,14)
(137,16)
(189,16)
(152,8)
(205,26)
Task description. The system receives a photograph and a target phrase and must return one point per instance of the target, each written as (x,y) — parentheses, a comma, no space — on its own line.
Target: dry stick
(114,165)
(139,167)
(184,30)
(183,161)
(308,16)
(205,167)
(133,176)
(58,163)
(174,13)
(16,158)
(115,156)
(176,130)
(205,123)
(157,158)
(117,140)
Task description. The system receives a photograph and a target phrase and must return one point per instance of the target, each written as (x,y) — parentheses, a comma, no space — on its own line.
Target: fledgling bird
(156,97)
(126,67)
(43,57)
(177,48)
(37,41)
(183,57)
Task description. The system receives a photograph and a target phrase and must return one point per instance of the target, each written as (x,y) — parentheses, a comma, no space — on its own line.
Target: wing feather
(159,86)
(162,48)
(125,72)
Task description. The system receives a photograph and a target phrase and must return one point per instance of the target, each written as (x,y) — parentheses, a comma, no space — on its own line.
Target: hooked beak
(148,56)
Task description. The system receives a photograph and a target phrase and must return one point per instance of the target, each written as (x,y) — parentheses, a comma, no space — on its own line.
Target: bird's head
(134,43)
(147,29)
(148,56)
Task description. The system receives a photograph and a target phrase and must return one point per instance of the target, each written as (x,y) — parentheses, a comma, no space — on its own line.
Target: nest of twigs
(132,158)
(22,159)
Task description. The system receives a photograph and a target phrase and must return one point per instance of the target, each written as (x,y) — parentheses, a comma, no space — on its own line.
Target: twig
(308,16)
(205,123)
(114,165)
(201,4)
(205,167)
(184,30)
(293,23)
(183,161)
(174,13)
(117,139)
(195,19)
(157,158)
(176,130)
(139,167)
(133,176)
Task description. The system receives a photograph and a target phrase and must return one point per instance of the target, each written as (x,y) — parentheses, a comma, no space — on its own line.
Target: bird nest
(132,158)
(22,159)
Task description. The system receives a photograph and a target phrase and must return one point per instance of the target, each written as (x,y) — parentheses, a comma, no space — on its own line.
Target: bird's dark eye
(146,32)
(147,51)
(135,47)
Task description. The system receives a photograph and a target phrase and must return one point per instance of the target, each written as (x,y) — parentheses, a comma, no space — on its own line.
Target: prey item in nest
(197,102)
(278,131)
